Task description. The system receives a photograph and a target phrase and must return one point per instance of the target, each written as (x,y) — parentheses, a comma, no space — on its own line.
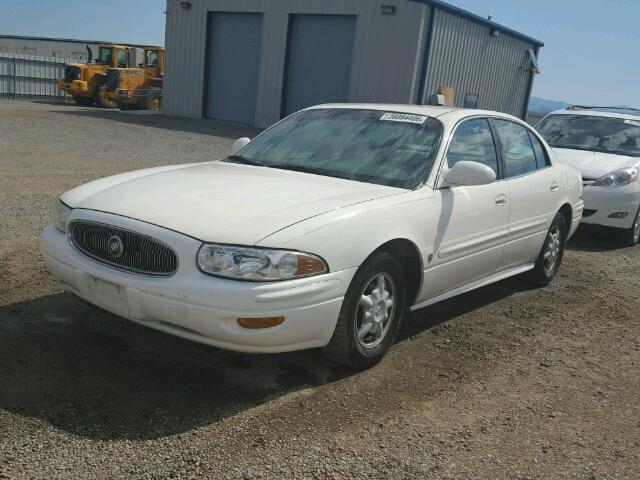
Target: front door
(473,224)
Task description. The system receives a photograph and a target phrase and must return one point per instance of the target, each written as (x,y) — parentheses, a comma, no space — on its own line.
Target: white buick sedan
(322,231)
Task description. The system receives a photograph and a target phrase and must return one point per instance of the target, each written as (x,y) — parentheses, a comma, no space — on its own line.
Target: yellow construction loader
(83,80)
(137,87)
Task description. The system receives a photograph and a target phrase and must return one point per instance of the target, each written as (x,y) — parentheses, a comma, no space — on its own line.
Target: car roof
(434,111)
(598,112)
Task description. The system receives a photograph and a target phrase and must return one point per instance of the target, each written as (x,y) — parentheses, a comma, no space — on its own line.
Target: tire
(550,257)
(152,100)
(631,236)
(366,315)
(84,101)
(103,102)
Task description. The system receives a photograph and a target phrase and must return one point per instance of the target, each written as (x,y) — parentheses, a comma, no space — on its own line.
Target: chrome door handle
(554,187)
(501,200)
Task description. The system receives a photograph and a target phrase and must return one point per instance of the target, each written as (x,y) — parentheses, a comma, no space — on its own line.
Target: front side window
(152,58)
(473,142)
(364,145)
(517,150)
(122,59)
(618,136)
(105,56)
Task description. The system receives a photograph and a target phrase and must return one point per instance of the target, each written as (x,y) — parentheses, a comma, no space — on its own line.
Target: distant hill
(542,105)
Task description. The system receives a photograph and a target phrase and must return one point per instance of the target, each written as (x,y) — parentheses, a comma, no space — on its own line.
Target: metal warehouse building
(255,61)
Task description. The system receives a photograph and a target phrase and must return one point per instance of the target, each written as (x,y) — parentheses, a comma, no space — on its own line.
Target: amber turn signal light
(264,322)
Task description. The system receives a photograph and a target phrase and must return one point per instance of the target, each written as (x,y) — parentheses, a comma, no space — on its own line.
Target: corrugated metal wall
(30,75)
(465,56)
(387,56)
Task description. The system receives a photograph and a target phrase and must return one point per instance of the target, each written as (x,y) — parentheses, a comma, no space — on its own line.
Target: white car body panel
(256,200)
(465,237)
(605,200)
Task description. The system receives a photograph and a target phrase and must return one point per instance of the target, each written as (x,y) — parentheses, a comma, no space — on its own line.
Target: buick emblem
(116,247)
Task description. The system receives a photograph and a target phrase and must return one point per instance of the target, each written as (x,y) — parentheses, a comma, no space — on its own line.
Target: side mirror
(238,144)
(466,173)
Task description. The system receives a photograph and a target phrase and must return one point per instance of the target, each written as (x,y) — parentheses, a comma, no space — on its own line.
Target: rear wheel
(631,236)
(550,258)
(84,101)
(153,100)
(371,313)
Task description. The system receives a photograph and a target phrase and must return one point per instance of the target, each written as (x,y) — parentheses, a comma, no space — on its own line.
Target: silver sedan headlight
(621,177)
(61,215)
(258,264)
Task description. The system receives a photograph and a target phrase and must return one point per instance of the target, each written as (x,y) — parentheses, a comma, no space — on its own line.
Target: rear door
(534,189)
(473,225)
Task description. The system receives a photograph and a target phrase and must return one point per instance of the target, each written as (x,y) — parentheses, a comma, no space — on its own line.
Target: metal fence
(31,76)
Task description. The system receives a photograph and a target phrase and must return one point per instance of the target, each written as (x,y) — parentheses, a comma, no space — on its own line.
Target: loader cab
(154,59)
(113,56)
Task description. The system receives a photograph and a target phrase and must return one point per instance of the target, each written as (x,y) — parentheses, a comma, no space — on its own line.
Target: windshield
(618,136)
(105,56)
(393,149)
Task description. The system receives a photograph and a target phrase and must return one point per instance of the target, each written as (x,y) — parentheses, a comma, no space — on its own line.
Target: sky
(591,53)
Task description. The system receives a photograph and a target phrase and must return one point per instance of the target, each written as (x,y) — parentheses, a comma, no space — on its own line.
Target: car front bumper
(602,202)
(196,306)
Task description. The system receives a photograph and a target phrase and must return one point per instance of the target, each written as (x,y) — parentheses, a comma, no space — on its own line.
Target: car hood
(223,202)
(593,165)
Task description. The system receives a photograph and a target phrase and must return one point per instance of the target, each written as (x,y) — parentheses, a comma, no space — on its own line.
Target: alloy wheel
(375,312)
(552,249)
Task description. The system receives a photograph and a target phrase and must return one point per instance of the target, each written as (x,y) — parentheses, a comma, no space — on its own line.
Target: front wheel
(631,236)
(104,102)
(371,313)
(550,258)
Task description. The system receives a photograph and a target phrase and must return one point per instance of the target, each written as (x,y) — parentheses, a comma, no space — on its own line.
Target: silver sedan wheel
(636,228)
(375,312)
(552,249)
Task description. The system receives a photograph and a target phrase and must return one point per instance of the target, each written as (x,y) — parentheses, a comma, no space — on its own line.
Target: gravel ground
(505,382)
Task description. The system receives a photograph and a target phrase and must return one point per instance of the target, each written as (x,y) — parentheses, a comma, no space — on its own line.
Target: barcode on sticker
(632,122)
(404,117)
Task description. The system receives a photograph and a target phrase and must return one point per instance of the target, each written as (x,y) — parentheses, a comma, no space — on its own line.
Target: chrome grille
(136,253)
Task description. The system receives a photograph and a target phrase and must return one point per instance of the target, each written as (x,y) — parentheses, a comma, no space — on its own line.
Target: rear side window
(517,150)
(541,156)
(473,142)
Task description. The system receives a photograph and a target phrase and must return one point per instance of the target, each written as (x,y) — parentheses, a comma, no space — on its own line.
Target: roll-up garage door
(319,60)
(234,63)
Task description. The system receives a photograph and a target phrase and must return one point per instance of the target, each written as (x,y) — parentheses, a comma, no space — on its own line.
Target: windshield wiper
(244,161)
(312,170)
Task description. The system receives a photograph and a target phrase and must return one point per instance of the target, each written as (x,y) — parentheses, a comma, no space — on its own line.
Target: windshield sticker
(404,117)
(632,122)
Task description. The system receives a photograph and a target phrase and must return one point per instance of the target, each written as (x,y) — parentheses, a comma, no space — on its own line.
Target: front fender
(347,236)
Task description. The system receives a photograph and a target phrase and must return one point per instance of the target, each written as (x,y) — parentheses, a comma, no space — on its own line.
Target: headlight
(257,264)
(61,216)
(621,177)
